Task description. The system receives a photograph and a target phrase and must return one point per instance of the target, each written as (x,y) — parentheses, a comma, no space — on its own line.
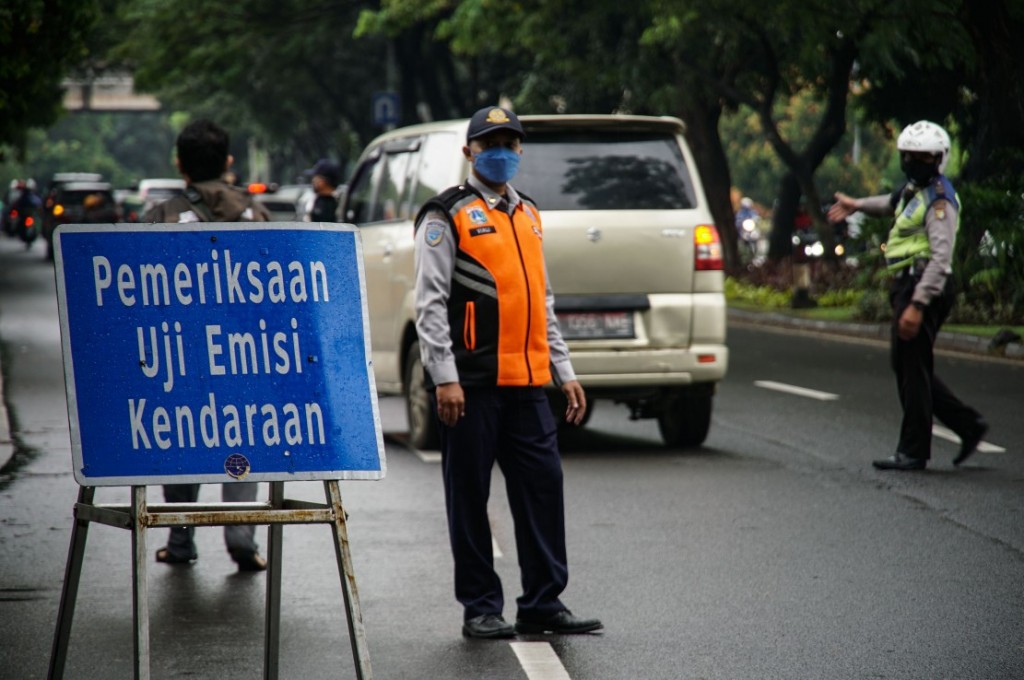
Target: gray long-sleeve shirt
(940,225)
(435,265)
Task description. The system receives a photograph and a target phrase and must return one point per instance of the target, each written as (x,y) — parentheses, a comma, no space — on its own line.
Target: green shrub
(988,263)
(874,305)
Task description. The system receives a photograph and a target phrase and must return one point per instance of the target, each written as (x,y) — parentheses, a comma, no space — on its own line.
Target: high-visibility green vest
(908,240)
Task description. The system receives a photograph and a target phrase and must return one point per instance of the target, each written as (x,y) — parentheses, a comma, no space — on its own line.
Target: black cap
(491,118)
(327,169)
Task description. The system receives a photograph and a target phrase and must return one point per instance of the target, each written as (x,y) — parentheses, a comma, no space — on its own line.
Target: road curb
(952,342)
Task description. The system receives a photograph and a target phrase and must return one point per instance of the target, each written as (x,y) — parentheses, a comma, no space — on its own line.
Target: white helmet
(746,202)
(927,137)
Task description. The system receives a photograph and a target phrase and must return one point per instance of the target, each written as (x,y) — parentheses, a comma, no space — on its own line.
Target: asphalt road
(774,551)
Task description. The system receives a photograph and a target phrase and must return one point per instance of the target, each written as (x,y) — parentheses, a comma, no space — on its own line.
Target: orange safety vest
(497,309)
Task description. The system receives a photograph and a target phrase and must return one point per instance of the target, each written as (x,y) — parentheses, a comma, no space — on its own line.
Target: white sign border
(69,370)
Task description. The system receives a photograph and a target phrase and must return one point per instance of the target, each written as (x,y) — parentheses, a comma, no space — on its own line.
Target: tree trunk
(780,244)
(702,136)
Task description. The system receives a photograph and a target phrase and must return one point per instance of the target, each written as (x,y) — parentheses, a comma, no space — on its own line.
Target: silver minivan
(634,259)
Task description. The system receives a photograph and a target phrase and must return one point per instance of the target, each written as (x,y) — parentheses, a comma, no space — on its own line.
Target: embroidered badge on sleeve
(434,233)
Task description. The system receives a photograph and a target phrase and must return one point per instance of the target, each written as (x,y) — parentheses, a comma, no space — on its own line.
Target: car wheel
(685,418)
(419,412)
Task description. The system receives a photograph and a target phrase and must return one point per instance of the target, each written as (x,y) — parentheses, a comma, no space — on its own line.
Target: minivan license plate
(592,325)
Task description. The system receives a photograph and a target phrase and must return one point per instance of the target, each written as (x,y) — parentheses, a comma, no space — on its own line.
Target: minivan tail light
(707,248)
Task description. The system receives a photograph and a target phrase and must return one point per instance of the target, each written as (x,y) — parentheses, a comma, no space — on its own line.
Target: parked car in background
(634,259)
(57,181)
(154,191)
(78,203)
(282,201)
(146,194)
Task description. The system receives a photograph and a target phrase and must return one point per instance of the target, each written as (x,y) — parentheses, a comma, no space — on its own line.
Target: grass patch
(983,331)
(828,313)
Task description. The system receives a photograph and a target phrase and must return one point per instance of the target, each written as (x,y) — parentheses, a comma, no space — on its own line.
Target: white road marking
(428,456)
(539,661)
(495,550)
(949,435)
(793,389)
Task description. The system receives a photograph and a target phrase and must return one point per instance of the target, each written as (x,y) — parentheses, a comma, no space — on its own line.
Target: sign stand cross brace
(139,516)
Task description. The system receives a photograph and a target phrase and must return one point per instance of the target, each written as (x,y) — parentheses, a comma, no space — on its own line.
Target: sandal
(167,557)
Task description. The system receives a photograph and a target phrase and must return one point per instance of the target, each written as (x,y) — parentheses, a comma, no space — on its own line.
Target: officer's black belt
(916,267)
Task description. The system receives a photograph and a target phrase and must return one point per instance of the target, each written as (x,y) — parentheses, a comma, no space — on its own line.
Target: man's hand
(576,402)
(451,403)
(842,208)
(910,323)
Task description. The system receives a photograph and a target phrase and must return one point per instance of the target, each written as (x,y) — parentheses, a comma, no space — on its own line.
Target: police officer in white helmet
(919,254)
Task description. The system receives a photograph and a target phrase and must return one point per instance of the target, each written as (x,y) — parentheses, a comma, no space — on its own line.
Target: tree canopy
(299,76)
(40,40)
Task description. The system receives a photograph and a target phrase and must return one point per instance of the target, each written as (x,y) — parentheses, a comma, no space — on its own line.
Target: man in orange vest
(490,342)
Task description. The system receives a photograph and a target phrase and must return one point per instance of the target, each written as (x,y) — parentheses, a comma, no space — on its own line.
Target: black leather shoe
(969,444)
(248,561)
(900,461)
(488,627)
(563,622)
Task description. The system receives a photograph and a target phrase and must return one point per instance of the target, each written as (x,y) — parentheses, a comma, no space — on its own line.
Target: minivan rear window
(605,171)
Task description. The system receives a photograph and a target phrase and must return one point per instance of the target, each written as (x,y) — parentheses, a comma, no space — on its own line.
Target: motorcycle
(26,225)
(750,235)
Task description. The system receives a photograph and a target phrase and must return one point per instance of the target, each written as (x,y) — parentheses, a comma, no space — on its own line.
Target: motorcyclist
(747,228)
(24,211)
(28,200)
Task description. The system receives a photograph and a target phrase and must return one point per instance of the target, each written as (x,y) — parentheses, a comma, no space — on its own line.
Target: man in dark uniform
(919,254)
(325,181)
(490,342)
(202,160)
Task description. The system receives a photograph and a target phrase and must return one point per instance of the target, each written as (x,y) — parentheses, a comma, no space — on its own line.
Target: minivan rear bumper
(649,368)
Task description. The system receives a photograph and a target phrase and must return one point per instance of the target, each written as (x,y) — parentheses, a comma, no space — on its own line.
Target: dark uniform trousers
(515,427)
(922,394)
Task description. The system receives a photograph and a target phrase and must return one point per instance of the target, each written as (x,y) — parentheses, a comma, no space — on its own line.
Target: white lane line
(495,550)
(793,389)
(428,456)
(949,435)
(539,661)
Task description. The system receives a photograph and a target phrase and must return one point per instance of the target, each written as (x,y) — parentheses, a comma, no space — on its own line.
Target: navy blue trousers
(513,426)
(922,393)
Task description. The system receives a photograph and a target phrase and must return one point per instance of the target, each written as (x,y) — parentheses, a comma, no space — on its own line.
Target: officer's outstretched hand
(451,403)
(842,208)
(576,402)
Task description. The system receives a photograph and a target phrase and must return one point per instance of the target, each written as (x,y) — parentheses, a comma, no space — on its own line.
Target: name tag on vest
(480,231)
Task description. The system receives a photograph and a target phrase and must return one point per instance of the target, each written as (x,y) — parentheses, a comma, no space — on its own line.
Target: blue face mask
(497,164)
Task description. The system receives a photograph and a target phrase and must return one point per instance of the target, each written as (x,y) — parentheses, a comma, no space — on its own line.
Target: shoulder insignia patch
(940,209)
(434,233)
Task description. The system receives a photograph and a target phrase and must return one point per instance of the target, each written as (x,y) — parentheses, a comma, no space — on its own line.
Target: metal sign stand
(139,516)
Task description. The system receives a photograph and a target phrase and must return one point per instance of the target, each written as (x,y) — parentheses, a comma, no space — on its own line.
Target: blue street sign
(386,108)
(217,352)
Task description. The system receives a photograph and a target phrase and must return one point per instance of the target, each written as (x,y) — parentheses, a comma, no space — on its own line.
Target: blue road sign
(217,352)
(386,108)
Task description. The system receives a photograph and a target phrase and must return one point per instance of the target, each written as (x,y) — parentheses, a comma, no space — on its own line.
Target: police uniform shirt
(940,224)
(435,252)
